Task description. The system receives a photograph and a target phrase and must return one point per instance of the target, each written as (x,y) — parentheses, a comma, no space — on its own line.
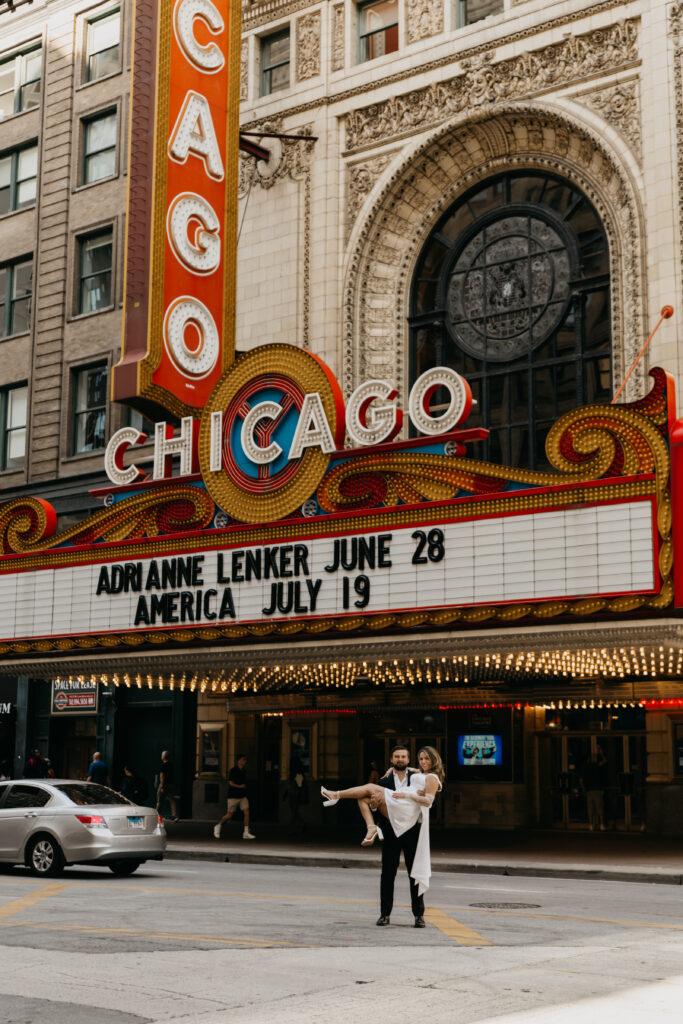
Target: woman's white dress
(405,813)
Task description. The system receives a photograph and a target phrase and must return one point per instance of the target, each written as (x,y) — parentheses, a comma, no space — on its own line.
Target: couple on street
(402,799)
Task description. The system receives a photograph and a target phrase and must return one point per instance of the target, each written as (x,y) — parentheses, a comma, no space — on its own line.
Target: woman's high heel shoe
(372,835)
(331,797)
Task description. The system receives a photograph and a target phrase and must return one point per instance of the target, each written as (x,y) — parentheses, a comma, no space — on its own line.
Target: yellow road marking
(175,936)
(566,917)
(463,935)
(44,893)
(328,899)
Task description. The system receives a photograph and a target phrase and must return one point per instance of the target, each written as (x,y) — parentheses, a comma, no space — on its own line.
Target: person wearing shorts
(237,797)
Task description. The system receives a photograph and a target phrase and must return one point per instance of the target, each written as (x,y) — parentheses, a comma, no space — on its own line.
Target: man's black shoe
(381,921)
(419,922)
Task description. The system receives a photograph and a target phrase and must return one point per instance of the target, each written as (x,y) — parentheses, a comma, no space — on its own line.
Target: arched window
(512,291)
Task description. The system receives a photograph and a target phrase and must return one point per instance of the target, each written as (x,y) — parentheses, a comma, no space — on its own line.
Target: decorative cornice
(488,82)
(439,62)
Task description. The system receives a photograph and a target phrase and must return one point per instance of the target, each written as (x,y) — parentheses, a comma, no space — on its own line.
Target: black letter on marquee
(227,605)
(141,613)
(103,585)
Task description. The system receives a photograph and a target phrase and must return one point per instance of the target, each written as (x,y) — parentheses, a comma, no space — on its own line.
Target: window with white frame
(13,410)
(99,147)
(275,62)
(16,289)
(89,408)
(378,29)
(103,45)
(20,77)
(18,172)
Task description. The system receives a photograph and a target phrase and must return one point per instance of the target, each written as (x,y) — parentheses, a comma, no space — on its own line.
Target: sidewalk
(633,857)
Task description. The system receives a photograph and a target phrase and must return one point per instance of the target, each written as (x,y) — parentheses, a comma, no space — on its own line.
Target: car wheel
(44,857)
(124,867)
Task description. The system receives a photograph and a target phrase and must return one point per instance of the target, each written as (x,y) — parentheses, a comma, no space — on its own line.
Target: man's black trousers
(391,855)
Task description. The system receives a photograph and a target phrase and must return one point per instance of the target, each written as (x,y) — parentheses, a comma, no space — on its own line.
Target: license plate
(136,822)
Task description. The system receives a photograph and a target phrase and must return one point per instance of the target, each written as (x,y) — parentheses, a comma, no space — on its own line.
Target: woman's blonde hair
(436,762)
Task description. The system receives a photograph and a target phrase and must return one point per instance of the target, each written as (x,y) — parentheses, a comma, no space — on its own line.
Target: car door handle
(31,814)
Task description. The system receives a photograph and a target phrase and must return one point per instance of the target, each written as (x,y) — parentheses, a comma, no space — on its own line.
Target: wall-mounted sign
(566,553)
(73,697)
(182,199)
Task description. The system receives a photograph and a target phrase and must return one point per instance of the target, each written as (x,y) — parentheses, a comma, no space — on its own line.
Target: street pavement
(616,856)
(199,942)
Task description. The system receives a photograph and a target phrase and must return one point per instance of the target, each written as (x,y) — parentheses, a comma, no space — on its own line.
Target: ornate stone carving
(338,37)
(485,81)
(423,18)
(361,181)
(244,70)
(567,18)
(619,105)
(429,179)
(290,161)
(308,29)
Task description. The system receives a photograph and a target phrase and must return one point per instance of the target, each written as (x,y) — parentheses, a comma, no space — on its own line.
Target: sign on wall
(181,227)
(73,697)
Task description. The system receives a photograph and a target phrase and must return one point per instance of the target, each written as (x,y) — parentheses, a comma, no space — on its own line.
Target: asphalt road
(187,942)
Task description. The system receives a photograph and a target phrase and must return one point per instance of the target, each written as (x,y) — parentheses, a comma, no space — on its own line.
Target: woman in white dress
(403,808)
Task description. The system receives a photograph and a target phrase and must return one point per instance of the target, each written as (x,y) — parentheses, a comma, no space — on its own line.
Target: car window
(83,793)
(26,796)
(3,791)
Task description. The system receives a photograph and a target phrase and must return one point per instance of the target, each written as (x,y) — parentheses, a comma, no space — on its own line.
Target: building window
(275,63)
(89,408)
(18,171)
(95,263)
(469,11)
(102,48)
(16,287)
(512,291)
(140,422)
(378,29)
(13,406)
(99,147)
(20,81)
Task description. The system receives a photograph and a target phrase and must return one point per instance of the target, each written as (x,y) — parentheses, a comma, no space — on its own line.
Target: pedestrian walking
(35,767)
(237,797)
(98,772)
(593,782)
(165,788)
(296,796)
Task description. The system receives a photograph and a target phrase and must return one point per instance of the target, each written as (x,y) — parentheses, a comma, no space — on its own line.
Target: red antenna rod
(667,313)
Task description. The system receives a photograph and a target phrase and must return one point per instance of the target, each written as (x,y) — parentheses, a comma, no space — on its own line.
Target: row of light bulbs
(617,663)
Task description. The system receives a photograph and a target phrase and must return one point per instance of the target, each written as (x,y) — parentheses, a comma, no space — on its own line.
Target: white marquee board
(567,553)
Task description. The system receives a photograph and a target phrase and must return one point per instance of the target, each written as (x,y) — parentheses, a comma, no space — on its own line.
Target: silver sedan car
(48,823)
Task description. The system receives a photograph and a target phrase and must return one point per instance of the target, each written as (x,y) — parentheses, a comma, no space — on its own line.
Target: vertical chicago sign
(181,226)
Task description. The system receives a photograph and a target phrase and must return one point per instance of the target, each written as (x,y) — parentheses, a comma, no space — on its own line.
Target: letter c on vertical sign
(193,231)
(207,58)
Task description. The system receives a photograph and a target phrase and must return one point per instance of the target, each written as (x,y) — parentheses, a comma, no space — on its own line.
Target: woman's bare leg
(366,813)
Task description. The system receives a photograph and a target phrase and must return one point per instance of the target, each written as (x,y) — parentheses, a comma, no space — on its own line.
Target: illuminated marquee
(272,423)
(180,261)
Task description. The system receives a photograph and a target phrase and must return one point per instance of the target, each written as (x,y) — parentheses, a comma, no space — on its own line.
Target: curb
(452,867)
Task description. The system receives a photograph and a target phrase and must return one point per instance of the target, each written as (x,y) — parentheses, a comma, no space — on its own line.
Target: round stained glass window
(509,285)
